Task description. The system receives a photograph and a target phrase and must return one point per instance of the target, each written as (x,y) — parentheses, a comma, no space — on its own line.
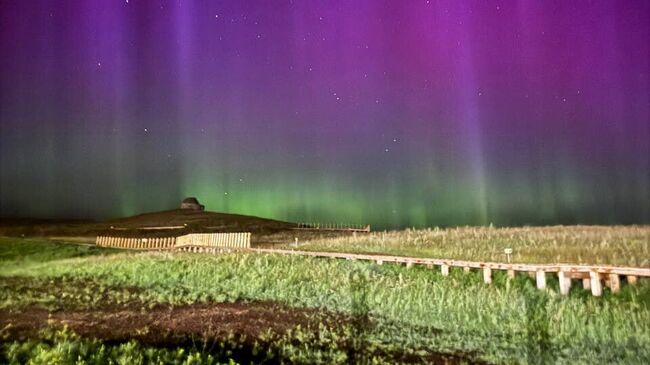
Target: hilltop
(153,223)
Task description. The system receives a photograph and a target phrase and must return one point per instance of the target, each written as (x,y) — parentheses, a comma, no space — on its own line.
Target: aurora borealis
(394,113)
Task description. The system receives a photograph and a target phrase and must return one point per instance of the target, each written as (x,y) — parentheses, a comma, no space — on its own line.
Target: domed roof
(191,203)
(190,200)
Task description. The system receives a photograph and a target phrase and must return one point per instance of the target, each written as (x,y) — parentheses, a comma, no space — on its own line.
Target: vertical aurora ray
(390,113)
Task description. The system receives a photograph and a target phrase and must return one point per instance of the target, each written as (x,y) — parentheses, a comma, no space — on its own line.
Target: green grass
(612,245)
(417,308)
(21,252)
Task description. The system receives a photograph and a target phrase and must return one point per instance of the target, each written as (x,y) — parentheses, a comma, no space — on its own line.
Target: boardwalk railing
(220,240)
(591,275)
(333,227)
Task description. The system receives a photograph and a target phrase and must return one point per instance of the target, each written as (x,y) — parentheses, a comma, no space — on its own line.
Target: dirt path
(166,325)
(193,326)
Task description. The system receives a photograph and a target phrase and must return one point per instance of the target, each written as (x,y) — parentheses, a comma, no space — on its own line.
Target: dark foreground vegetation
(68,304)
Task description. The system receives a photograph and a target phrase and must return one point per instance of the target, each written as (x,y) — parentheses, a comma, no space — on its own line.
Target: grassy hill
(192,221)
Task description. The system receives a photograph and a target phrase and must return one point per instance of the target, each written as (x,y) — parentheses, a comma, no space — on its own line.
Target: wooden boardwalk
(592,276)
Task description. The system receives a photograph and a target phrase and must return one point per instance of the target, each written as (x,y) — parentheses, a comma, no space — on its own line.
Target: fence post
(596,286)
(511,274)
(444,269)
(541,279)
(614,283)
(487,275)
(565,282)
(631,279)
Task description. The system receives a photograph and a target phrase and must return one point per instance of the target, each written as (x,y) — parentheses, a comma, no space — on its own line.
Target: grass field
(62,303)
(609,245)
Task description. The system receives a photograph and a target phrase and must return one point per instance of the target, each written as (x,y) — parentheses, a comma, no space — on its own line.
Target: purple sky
(396,113)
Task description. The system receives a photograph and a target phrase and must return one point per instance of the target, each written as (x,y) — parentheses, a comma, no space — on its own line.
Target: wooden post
(631,279)
(409,264)
(614,283)
(540,278)
(444,269)
(586,283)
(380,262)
(511,274)
(565,282)
(466,269)
(487,275)
(596,287)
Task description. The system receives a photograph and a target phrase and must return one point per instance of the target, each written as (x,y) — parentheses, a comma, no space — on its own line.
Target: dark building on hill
(192,204)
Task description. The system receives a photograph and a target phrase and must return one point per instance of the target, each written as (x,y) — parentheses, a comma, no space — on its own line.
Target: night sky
(394,113)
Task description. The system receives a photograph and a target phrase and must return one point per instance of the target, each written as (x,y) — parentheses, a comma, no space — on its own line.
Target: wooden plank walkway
(591,275)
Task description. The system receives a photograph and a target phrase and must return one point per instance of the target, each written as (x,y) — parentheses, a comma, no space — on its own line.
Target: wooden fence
(153,243)
(220,240)
(227,240)
(592,276)
(333,227)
